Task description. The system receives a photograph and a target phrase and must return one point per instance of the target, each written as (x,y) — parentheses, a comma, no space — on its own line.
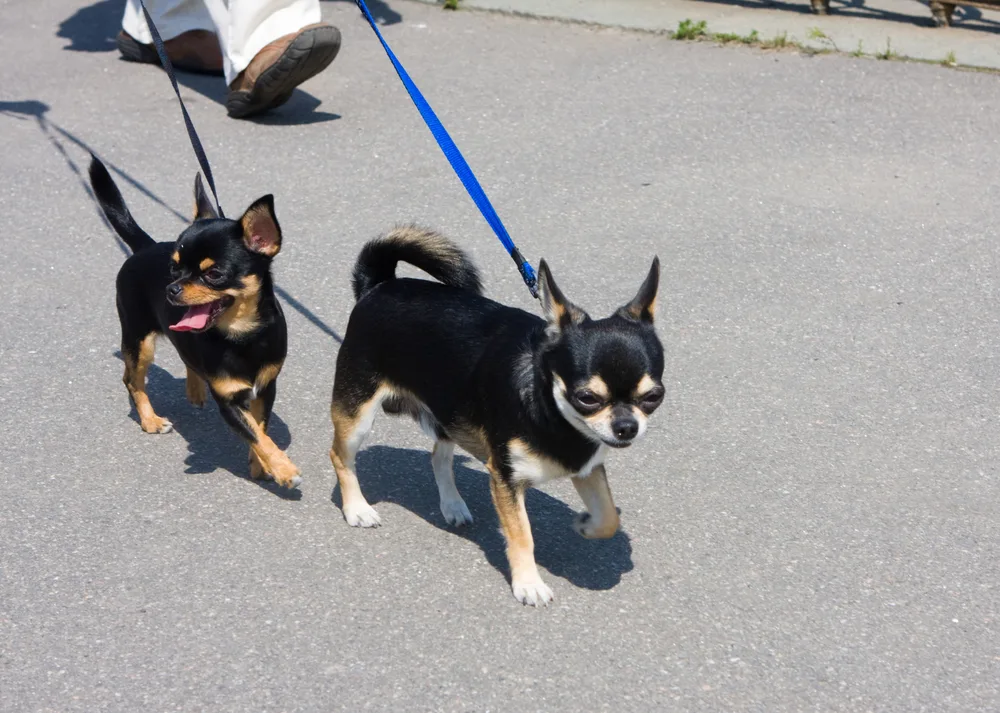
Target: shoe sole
(133,51)
(306,56)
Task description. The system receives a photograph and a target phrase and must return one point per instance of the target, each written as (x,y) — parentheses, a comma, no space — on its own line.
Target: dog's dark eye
(588,400)
(214,276)
(651,400)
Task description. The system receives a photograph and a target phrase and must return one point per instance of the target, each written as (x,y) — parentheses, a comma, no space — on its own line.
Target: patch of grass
(698,31)
(450,4)
(889,52)
(729,37)
(817,34)
(779,42)
(690,30)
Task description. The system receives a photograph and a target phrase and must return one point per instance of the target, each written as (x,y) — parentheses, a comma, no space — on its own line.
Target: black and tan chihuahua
(211,294)
(532,398)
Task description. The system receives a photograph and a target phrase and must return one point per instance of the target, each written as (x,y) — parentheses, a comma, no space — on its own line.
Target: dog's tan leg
(601,518)
(525,581)
(257,471)
(349,432)
(197,394)
(454,509)
(272,459)
(231,395)
(136,367)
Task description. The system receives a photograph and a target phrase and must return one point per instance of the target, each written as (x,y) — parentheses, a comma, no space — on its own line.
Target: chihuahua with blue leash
(534,399)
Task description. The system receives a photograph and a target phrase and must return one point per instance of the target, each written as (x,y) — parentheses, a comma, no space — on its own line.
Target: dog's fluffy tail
(431,252)
(115,210)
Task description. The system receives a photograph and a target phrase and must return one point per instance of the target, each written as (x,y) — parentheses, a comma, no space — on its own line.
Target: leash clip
(527,272)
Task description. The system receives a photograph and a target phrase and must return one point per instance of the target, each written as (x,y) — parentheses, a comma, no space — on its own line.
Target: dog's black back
(471,362)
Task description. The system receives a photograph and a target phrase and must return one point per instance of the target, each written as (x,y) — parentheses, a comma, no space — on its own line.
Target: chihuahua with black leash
(533,399)
(211,294)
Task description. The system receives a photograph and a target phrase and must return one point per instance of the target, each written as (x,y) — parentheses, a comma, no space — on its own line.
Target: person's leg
(270,47)
(187,29)
(172,18)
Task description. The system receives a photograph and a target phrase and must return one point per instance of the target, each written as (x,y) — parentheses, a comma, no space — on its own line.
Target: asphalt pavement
(809,525)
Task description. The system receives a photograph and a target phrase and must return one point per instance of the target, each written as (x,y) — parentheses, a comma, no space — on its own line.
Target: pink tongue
(195,318)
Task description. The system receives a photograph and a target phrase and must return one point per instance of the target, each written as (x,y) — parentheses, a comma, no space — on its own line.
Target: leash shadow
(55,134)
(211,444)
(404,477)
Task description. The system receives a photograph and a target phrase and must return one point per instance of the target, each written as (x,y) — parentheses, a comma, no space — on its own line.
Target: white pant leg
(245,26)
(242,26)
(172,18)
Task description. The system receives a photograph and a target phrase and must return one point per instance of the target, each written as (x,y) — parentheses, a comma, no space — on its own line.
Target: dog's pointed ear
(261,232)
(559,311)
(643,306)
(203,207)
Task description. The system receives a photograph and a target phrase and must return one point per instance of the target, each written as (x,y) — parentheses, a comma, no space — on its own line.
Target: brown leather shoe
(272,75)
(193,51)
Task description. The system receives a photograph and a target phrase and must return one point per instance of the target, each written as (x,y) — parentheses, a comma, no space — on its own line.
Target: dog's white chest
(534,469)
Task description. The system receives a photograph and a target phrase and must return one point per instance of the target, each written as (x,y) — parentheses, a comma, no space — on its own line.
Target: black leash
(199,152)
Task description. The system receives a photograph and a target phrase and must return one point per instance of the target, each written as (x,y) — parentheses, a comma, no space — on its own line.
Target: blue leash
(457,161)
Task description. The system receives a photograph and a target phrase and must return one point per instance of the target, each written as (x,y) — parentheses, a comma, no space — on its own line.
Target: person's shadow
(380,10)
(211,443)
(404,477)
(93,28)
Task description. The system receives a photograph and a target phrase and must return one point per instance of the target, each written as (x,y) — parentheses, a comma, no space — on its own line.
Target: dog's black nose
(625,428)
(173,291)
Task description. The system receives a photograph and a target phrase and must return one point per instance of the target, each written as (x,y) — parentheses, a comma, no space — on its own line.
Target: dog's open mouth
(198,318)
(616,443)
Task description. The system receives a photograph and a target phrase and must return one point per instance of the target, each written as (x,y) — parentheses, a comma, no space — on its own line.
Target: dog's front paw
(532,591)
(456,512)
(587,526)
(156,424)
(286,474)
(362,515)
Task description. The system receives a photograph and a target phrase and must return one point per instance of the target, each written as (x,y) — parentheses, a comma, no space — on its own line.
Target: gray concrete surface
(810,525)
(866,27)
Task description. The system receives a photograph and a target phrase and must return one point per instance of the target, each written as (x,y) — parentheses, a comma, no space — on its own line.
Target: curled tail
(115,210)
(433,253)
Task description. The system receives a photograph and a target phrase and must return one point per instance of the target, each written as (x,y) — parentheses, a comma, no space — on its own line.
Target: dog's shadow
(404,477)
(211,443)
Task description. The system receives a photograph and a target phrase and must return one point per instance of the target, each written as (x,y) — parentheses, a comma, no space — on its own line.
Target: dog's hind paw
(456,512)
(196,393)
(363,515)
(532,591)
